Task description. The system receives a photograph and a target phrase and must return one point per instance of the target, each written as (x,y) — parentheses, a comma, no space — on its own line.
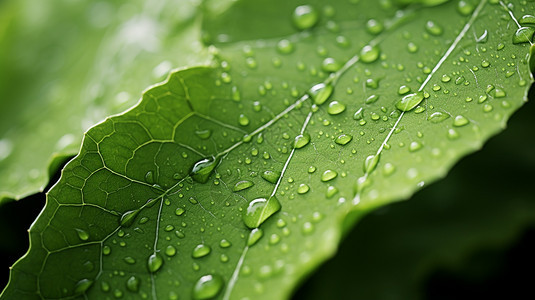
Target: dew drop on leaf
(170,250)
(203,134)
(331,191)
(202,170)
(330,65)
(254,236)
(374,26)
(271,176)
(207,287)
(284,46)
(328,175)
(343,139)
(527,20)
(370,163)
(259,210)
(301,140)
(460,121)
(305,17)
(321,92)
(465,8)
(224,243)
(127,219)
(132,284)
(82,234)
(523,35)
(369,53)
(242,185)
(201,250)
(433,28)
(410,101)
(154,262)
(303,188)
(437,117)
(82,286)
(336,108)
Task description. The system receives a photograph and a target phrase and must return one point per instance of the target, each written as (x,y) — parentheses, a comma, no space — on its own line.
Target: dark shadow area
(468,236)
(16,217)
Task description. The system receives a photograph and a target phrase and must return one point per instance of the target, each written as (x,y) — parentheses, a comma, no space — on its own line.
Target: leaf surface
(67,65)
(154,204)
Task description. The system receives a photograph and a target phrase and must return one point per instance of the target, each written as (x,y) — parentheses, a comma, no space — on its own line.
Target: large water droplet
(301,140)
(305,17)
(369,53)
(321,92)
(410,101)
(303,188)
(330,65)
(527,20)
(523,35)
(242,185)
(460,121)
(259,210)
(82,234)
(201,250)
(202,170)
(271,176)
(207,287)
(154,262)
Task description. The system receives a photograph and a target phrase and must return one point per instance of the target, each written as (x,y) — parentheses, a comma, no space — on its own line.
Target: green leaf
(153,205)
(67,65)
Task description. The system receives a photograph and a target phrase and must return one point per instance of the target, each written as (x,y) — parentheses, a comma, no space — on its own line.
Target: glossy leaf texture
(67,65)
(236,181)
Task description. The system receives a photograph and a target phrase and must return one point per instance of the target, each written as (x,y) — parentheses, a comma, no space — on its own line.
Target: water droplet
(388,169)
(204,134)
(311,169)
(271,176)
(370,163)
(129,260)
(104,286)
(437,117)
(460,121)
(523,35)
(106,250)
(403,90)
(284,46)
(465,8)
(371,99)
(224,243)
(336,108)
(305,17)
(82,234)
(321,92)
(330,65)
(201,250)
(243,120)
(242,185)
(410,101)
(82,286)
(343,139)
(527,20)
(433,28)
(149,177)
(452,134)
(369,53)
(415,146)
(170,250)
(328,175)
(128,217)
(374,27)
(179,211)
(202,170)
(303,188)
(301,140)
(331,191)
(412,47)
(358,114)
(207,287)
(307,228)
(154,262)
(445,78)
(133,283)
(259,210)
(254,236)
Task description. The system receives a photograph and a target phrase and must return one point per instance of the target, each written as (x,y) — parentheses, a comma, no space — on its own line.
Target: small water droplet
(410,101)
(328,175)
(203,134)
(170,250)
(311,169)
(243,120)
(301,140)
(415,146)
(207,287)
(106,250)
(445,78)
(330,65)
(271,176)
(224,243)
(149,177)
(129,260)
(305,17)
(403,90)
(128,217)
(201,250)
(358,114)
(154,262)
(242,185)
(374,27)
(343,139)
(465,8)
(82,286)
(452,134)
(284,46)
(179,211)
(82,234)
(388,169)
(371,99)
(259,210)
(321,92)
(370,163)
(307,228)
(433,28)
(331,191)
(460,121)
(369,53)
